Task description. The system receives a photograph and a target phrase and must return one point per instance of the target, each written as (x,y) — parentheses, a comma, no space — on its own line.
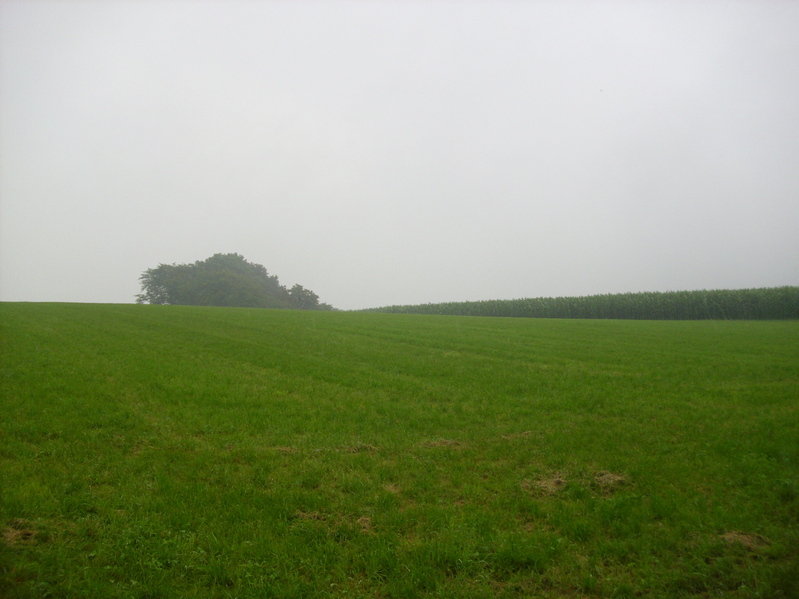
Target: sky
(400,152)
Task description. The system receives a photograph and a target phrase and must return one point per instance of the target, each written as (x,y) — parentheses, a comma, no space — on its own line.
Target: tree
(303,299)
(222,280)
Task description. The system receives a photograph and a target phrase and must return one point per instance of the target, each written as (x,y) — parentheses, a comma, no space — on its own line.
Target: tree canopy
(222,280)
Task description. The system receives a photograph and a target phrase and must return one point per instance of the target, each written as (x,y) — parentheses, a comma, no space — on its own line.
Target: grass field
(158,451)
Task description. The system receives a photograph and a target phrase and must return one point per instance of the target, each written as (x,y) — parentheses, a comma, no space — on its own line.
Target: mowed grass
(157,451)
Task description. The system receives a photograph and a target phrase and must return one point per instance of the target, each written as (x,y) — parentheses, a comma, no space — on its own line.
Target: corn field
(774,303)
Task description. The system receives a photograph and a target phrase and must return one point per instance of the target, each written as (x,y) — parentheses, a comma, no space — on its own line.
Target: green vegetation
(773,303)
(222,280)
(172,451)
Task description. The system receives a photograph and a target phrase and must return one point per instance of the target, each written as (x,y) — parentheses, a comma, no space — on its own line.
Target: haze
(400,152)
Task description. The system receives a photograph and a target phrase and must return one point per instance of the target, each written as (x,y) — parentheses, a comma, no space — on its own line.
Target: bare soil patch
(750,541)
(19,532)
(523,435)
(442,443)
(545,486)
(311,516)
(365,524)
(609,481)
(363,447)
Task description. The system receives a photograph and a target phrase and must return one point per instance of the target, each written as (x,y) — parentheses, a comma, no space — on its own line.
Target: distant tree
(303,299)
(222,280)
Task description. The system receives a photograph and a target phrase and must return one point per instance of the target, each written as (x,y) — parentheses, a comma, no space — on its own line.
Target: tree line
(222,280)
(773,303)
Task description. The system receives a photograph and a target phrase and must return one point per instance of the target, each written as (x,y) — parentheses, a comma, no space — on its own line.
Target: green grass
(159,451)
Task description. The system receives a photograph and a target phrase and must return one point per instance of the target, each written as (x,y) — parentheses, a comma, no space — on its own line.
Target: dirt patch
(311,516)
(19,532)
(365,524)
(545,486)
(330,521)
(364,447)
(139,447)
(523,435)
(286,450)
(609,481)
(750,541)
(442,443)
(392,488)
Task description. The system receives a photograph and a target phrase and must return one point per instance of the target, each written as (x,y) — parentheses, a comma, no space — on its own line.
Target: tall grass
(773,303)
(165,451)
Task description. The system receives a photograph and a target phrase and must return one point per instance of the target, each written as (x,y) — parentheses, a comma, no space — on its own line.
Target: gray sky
(400,152)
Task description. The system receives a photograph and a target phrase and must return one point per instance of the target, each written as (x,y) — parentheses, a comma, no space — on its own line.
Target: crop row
(774,303)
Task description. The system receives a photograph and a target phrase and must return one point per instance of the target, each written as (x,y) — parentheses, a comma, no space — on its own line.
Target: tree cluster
(222,280)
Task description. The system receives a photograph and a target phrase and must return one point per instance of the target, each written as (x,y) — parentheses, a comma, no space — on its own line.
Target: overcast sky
(397,152)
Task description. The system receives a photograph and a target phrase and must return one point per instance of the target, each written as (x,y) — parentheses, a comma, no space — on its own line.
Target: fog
(400,152)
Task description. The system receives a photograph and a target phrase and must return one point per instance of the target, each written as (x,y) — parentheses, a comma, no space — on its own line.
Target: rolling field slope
(162,451)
